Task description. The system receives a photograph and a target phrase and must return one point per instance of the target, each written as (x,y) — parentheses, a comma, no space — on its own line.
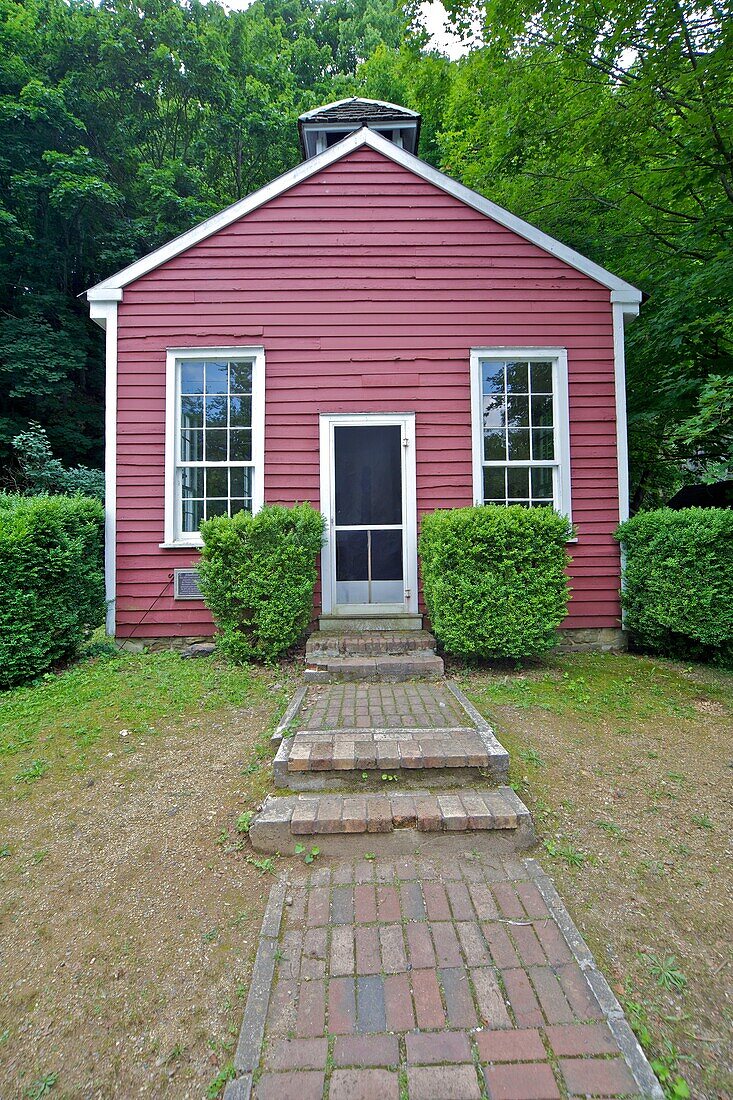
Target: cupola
(323,127)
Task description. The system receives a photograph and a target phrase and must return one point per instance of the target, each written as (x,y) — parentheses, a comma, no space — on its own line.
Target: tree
(611,126)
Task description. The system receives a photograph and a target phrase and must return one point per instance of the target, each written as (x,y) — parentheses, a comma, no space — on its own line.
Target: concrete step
(391,669)
(369,643)
(353,624)
(394,822)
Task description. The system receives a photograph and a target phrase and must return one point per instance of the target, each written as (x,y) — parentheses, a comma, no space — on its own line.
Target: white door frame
(328,421)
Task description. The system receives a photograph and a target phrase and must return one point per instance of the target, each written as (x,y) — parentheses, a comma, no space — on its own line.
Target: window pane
(518,444)
(542,479)
(216,412)
(495,446)
(494,412)
(192,513)
(518,412)
(241,481)
(217,482)
(240,445)
(541,377)
(541,412)
(352,562)
(543,444)
(192,412)
(386,555)
(216,508)
(495,483)
(517,377)
(240,378)
(192,446)
(368,474)
(239,506)
(240,412)
(492,376)
(517,478)
(192,377)
(216,376)
(192,482)
(216,445)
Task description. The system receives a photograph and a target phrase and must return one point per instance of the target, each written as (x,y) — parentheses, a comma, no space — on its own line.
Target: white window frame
(558,357)
(173,538)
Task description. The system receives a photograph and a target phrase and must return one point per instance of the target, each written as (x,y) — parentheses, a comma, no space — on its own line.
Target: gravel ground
(128,922)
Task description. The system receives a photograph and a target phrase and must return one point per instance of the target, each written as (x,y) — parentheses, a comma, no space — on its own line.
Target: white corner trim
(171,541)
(111,295)
(622,444)
(104,312)
(558,357)
(308,168)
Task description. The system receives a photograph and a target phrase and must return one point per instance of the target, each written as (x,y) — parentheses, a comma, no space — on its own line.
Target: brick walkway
(427,980)
(371,707)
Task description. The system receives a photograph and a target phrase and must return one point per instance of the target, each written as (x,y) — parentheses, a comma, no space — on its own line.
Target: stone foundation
(592,640)
(155,645)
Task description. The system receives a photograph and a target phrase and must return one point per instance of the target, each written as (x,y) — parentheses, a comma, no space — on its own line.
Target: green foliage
(40,472)
(610,126)
(494,579)
(678,582)
(121,126)
(51,581)
(258,574)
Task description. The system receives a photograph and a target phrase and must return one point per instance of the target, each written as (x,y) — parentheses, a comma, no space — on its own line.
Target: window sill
(180,545)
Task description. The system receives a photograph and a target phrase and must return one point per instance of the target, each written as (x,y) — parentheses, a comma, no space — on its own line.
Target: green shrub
(494,579)
(51,581)
(40,472)
(257,576)
(678,582)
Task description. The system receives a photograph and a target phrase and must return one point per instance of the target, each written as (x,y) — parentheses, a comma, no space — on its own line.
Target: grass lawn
(627,766)
(128,916)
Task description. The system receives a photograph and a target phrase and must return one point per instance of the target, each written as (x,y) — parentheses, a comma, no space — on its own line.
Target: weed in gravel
(35,770)
(265,866)
(665,972)
(42,1086)
(565,852)
(310,855)
(702,821)
(245,820)
(226,1073)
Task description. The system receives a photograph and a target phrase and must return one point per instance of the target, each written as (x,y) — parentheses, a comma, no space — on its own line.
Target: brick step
(393,822)
(369,643)
(313,760)
(353,624)
(386,669)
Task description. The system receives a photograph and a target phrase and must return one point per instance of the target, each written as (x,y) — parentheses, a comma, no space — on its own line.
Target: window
(521,431)
(214,438)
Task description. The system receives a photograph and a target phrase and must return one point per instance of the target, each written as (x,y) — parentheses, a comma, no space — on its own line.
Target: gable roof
(111,289)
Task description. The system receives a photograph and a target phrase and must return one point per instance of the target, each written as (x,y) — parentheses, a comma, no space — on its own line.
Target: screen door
(368,522)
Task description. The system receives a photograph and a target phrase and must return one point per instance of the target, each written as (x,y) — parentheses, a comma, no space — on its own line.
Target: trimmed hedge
(257,576)
(51,581)
(494,579)
(678,582)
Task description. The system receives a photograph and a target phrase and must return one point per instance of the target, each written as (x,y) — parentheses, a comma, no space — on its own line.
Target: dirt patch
(627,766)
(128,918)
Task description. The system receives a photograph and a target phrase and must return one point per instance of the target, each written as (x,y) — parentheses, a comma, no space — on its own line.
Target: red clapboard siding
(361,272)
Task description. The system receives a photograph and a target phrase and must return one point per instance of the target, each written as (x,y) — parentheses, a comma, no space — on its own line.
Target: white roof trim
(358,99)
(624,291)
